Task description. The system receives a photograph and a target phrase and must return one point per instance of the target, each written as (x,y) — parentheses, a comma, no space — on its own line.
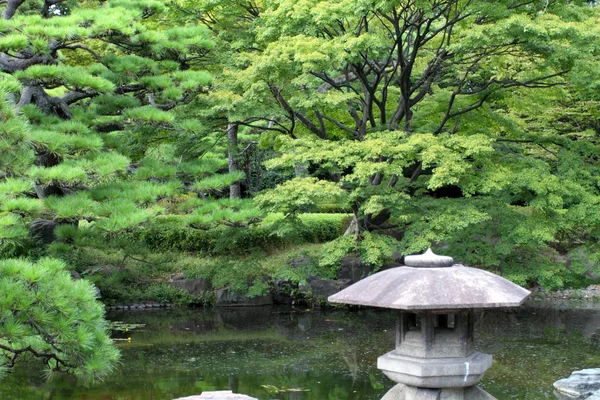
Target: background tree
(413,111)
(225,108)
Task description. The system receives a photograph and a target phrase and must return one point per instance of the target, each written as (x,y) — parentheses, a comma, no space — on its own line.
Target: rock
(219,395)
(75,275)
(105,270)
(229,298)
(352,268)
(44,229)
(323,288)
(282,292)
(301,262)
(194,287)
(580,385)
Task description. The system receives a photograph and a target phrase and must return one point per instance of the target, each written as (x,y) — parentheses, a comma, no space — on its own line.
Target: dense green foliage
(464,125)
(144,139)
(46,315)
(169,234)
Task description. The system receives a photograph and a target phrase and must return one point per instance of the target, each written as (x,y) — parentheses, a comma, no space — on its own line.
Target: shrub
(173,234)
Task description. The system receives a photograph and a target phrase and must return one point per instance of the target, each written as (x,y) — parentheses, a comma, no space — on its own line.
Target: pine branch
(29,349)
(12,64)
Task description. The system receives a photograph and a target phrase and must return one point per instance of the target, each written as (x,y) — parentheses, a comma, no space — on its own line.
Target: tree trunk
(11,8)
(48,104)
(368,222)
(235,189)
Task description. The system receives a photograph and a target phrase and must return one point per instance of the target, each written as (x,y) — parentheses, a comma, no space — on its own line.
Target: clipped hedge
(173,234)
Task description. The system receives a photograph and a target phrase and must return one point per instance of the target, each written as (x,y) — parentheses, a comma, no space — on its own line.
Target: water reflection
(275,353)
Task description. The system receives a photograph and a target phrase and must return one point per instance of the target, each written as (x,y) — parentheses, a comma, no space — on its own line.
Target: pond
(299,354)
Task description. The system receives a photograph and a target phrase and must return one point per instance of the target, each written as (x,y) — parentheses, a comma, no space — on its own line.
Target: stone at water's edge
(219,395)
(581,385)
(229,298)
(194,287)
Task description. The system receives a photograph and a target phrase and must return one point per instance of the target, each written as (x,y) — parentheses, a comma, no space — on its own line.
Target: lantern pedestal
(404,392)
(434,357)
(435,372)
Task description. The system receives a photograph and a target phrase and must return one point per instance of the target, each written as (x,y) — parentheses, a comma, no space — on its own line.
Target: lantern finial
(428,260)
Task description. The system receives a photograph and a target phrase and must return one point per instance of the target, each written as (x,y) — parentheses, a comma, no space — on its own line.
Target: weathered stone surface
(192,286)
(352,268)
(301,262)
(403,392)
(435,372)
(286,292)
(219,395)
(456,287)
(44,229)
(580,385)
(323,288)
(229,298)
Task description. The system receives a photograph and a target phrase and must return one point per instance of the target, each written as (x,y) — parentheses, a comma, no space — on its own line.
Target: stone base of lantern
(435,372)
(404,392)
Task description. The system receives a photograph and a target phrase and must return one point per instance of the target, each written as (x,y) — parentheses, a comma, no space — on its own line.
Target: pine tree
(44,314)
(104,87)
(48,316)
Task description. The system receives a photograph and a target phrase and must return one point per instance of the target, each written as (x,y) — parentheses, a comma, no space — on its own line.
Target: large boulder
(301,262)
(580,385)
(194,287)
(321,289)
(352,268)
(229,298)
(44,229)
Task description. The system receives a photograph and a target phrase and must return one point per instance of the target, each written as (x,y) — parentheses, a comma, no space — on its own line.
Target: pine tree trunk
(235,189)
(11,8)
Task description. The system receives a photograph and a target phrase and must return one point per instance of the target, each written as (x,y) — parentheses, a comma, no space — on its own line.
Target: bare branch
(302,118)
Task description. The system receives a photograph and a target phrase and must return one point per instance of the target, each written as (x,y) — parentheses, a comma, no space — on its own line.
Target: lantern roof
(432,282)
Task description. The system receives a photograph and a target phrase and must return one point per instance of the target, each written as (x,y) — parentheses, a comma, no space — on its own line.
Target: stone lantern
(434,356)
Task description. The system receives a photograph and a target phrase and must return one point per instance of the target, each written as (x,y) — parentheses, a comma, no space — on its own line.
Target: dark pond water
(273,353)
